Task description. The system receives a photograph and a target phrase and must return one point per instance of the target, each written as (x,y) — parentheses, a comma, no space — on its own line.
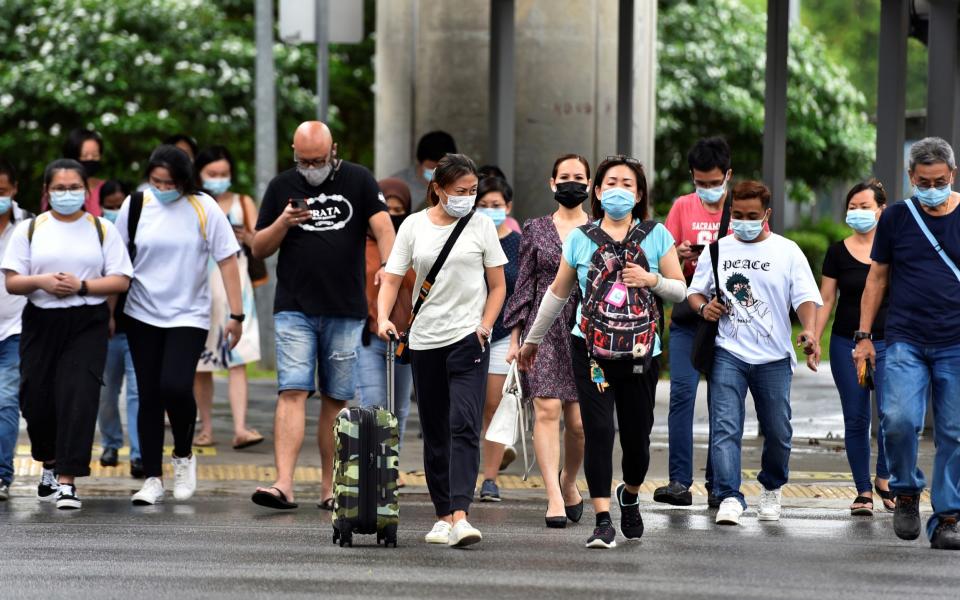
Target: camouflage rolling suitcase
(366,470)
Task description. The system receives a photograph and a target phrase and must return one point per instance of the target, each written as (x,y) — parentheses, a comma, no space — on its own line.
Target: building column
(502,85)
(775,109)
(892,94)
(395,78)
(943,66)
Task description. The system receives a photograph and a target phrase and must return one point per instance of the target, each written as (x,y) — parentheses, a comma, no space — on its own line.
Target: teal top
(578,251)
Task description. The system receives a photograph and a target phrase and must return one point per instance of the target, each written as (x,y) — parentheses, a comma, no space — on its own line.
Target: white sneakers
(769,509)
(729,512)
(458,536)
(463,534)
(151,493)
(440,534)
(769,505)
(184,477)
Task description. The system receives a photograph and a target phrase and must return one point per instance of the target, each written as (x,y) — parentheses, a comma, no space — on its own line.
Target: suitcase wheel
(346,539)
(389,536)
(336,534)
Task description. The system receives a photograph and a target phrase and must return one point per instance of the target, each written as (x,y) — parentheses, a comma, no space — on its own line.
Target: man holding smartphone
(317,215)
(693,221)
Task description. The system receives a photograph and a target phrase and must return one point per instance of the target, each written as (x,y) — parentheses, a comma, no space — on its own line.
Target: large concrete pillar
(394,61)
(644,121)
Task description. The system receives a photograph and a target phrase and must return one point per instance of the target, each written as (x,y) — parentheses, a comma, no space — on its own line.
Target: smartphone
(298,203)
(697,247)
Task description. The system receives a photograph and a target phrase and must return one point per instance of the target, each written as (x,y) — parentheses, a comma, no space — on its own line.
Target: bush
(814,246)
(833,231)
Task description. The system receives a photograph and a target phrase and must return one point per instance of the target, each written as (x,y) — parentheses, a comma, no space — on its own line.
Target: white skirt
(498,356)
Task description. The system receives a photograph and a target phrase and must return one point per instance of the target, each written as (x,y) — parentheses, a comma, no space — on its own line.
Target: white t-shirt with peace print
(759,282)
(174,242)
(66,247)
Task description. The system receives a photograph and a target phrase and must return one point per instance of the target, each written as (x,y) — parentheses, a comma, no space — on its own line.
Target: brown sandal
(251,437)
(204,440)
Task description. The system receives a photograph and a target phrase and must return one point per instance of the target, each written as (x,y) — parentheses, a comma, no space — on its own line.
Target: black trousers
(632,395)
(451,385)
(62,355)
(165,360)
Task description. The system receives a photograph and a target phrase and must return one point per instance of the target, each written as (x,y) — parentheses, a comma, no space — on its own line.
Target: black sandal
(327,504)
(862,511)
(886,495)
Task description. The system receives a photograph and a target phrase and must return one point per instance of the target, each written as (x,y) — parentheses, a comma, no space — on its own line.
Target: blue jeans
(911,371)
(684,380)
(770,385)
(856,401)
(372,381)
(119,365)
(311,347)
(9,404)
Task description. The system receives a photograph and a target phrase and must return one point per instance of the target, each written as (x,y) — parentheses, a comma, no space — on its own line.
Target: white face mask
(459,206)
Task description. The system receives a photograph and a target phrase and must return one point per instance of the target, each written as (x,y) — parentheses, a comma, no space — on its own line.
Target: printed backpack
(618,322)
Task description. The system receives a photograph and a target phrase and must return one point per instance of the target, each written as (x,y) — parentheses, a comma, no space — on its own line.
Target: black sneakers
(712,500)
(631,523)
(946,536)
(604,536)
(906,517)
(67,498)
(136,468)
(48,487)
(676,494)
(110,457)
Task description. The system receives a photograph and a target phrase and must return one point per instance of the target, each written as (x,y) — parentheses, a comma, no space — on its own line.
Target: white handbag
(510,419)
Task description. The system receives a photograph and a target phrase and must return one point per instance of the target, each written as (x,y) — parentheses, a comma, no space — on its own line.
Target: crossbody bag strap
(438,264)
(931,238)
(715,246)
(133,220)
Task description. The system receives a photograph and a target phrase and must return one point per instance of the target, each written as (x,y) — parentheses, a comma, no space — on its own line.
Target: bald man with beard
(317,215)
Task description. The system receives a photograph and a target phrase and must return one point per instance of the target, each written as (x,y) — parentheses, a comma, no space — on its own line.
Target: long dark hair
(210,155)
(449,169)
(75,139)
(177,162)
(640,208)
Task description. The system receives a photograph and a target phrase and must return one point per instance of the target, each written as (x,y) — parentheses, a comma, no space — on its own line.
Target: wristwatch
(862,335)
(83,291)
(239,318)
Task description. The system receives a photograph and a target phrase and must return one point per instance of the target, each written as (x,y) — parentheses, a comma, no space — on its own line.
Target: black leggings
(165,360)
(632,395)
(62,354)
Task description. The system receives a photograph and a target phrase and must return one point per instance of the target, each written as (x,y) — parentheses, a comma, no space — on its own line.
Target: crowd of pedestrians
(146,293)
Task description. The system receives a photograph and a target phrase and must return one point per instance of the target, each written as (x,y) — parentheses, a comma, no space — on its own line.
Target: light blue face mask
(165,196)
(861,220)
(617,203)
(932,196)
(5,203)
(746,231)
(428,175)
(497,215)
(217,186)
(67,202)
(111,214)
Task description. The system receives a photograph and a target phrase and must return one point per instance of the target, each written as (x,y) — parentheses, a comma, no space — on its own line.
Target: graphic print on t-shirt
(327,213)
(748,316)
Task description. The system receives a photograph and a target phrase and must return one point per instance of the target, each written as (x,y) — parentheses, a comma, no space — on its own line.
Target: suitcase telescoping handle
(391,372)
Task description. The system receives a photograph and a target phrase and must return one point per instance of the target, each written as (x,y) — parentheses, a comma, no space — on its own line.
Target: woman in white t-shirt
(449,336)
(67,262)
(168,308)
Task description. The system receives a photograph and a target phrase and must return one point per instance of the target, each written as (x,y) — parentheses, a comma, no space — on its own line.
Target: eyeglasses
(624,159)
(313,163)
(67,188)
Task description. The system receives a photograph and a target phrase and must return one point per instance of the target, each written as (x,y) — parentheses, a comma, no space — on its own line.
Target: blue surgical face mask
(111,214)
(428,175)
(746,231)
(5,203)
(712,195)
(67,202)
(165,196)
(932,196)
(617,203)
(497,215)
(216,186)
(861,220)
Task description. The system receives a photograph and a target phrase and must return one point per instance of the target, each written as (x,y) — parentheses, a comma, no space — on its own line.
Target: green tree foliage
(711,81)
(140,70)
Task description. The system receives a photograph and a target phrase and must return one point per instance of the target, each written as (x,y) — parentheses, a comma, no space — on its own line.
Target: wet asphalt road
(228,548)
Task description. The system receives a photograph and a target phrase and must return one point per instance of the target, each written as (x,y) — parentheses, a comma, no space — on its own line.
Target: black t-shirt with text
(321,265)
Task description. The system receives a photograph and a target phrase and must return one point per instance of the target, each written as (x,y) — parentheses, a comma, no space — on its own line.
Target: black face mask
(91,167)
(571,193)
(397,219)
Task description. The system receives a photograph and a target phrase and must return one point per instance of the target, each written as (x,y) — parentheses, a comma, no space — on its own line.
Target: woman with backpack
(453,318)
(67,262)
(621,261)
(172,231)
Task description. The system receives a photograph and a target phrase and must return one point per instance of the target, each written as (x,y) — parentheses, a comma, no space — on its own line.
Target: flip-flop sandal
(253,439)
(327,504)
(203,440)
(862,511)
(278,501)
(885,495)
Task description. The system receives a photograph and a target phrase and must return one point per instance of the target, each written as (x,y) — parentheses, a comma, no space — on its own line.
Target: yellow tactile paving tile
(24,450)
